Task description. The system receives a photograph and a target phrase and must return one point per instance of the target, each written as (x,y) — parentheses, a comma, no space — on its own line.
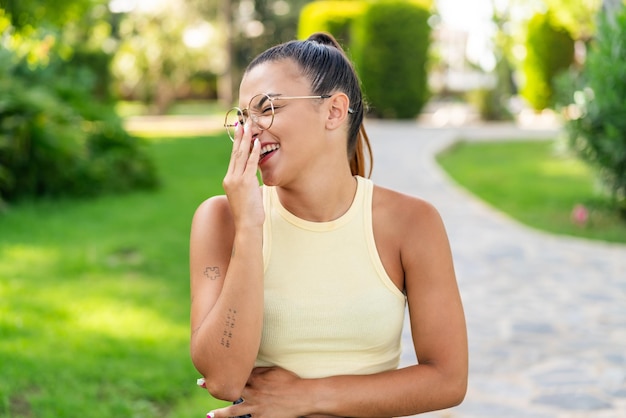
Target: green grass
(535,184)
(94,296)
(184,107)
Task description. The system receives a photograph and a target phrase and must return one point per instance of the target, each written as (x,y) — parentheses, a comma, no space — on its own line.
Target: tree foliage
(37,13)
(154,64)
(597,127)
(260,27)
(59,134)
(578,17)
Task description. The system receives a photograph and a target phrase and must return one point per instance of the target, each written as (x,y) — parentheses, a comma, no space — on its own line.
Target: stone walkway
(546,315)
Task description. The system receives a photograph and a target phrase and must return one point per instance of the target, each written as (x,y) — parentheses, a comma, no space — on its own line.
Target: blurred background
(111,117)
(151,55)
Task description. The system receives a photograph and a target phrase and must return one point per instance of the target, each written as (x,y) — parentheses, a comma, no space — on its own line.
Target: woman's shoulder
(406,229)
(401,208)
(213,213)
(214,205)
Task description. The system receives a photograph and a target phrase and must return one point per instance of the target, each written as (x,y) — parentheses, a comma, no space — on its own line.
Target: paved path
(546,315)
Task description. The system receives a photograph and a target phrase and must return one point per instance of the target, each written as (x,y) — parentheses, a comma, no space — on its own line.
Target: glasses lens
(234,118)
(261,110)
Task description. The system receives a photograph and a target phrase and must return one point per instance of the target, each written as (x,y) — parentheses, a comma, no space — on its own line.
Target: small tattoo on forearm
(212,273)
(229,326)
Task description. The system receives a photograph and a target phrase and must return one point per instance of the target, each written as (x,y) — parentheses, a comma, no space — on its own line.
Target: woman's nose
(253,127)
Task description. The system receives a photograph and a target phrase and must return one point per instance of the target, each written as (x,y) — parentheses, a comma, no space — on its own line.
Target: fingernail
(210,415)
(256,141)
(246,128)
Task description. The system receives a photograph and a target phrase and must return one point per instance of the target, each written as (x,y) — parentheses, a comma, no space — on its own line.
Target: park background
(110,136)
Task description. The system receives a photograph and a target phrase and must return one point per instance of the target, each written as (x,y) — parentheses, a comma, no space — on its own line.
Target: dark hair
(325,64)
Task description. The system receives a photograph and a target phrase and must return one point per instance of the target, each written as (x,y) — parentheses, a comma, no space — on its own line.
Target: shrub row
(57,138)
(388,41)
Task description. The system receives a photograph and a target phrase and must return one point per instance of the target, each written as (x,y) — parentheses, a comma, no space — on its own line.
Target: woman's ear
(339,104)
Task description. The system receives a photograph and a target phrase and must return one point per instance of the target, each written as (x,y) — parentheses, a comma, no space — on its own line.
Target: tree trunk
(225,80)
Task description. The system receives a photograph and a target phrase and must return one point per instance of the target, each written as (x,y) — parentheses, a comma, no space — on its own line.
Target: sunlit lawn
(94,299)
(536,184)
(187,107)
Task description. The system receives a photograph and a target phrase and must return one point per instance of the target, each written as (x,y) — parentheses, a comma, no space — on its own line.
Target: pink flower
(580,215)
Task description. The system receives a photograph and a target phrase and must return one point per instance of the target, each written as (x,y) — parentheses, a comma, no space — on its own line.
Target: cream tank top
(330,307)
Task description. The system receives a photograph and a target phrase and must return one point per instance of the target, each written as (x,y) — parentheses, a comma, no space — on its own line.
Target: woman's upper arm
(435,307)
(210,247)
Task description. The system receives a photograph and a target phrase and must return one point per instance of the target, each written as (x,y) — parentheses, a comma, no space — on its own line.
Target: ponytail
(363,149)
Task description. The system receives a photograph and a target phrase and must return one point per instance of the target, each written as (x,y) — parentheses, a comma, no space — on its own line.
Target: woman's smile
(267,151)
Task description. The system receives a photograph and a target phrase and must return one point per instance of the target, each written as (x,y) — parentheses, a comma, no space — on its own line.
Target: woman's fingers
(233,411)
(236,141)
(242,150)
(255,154)
(237,153)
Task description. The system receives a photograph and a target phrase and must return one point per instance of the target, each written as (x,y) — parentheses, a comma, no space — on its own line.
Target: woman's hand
(241,184)
(271,392)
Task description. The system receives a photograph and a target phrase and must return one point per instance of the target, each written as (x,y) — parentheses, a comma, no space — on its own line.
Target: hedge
(390,47)
(549,51)
(335,17)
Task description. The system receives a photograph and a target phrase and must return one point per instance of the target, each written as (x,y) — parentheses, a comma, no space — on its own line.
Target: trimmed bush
(597,123)
(335,17)
(57,139)
(390,45)
(549,51)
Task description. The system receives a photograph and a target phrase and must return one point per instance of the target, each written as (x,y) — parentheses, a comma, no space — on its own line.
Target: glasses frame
(244,113)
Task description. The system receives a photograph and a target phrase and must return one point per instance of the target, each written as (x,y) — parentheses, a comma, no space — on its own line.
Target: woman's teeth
(269,148)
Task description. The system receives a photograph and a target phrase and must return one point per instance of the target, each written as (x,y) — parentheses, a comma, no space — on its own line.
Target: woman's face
(294,144)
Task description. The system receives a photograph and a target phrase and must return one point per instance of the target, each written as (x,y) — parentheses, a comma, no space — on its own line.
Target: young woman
(299,287)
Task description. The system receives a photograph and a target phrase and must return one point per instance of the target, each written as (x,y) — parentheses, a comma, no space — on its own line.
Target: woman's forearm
(408,391)
(225,344)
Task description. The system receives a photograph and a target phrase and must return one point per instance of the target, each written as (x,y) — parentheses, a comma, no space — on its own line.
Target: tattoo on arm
(229,326)
(212,273)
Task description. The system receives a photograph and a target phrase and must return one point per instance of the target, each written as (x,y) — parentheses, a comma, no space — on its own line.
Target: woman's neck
(321,199)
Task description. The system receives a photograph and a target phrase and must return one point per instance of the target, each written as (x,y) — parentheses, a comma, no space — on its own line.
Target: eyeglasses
(260,110)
